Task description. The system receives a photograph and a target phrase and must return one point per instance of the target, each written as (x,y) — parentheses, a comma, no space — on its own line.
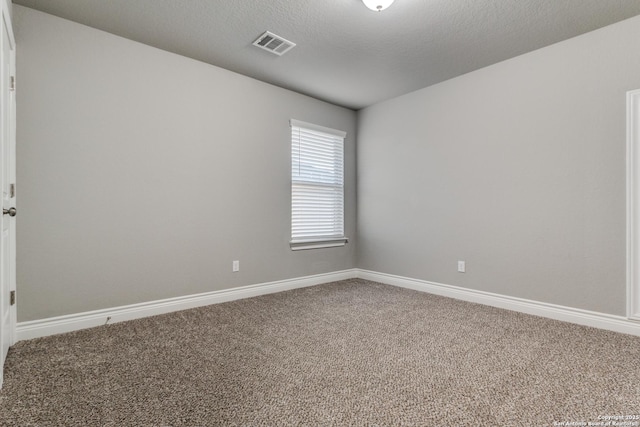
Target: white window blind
(317,186)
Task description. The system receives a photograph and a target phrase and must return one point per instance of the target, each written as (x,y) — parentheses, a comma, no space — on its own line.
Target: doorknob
(10,211)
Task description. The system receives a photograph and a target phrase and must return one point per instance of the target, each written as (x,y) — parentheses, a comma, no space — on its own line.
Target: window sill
(299,245)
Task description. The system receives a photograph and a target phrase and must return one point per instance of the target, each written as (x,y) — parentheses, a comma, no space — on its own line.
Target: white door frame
(8,258)
(12,176)
(633,205)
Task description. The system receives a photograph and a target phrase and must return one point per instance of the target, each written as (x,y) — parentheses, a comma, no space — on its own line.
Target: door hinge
(12,84)
(12,191)
(12,298)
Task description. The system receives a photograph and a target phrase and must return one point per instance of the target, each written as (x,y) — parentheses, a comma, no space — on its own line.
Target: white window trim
(311,126)
(299,245)
(304,244)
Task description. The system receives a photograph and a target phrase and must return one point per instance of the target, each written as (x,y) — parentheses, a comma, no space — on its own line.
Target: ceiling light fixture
(377,5)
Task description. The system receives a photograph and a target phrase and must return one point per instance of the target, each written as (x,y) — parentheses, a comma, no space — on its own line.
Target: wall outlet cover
(461,266)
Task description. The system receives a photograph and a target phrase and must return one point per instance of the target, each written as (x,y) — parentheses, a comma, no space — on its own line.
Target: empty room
(318,213)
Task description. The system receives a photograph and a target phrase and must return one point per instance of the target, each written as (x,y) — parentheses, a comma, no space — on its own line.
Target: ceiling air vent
(274,44)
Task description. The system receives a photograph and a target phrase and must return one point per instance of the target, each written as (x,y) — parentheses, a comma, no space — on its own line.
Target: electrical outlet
(236,266)
(461,267)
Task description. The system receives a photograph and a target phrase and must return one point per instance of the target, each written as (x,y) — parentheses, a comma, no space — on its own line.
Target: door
(7,187)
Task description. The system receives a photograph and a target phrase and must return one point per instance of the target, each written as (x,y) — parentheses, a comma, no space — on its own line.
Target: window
(317,186)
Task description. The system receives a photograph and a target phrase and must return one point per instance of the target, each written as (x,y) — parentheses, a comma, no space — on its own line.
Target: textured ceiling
(345,53)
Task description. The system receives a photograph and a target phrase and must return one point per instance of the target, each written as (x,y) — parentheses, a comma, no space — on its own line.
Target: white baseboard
(74,322)
(552,311)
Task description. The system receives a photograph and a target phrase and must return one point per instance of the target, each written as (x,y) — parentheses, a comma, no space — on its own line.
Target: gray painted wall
(143,174)
(518,169)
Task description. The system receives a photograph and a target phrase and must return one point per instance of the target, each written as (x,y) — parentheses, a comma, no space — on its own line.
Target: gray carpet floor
(345,353)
